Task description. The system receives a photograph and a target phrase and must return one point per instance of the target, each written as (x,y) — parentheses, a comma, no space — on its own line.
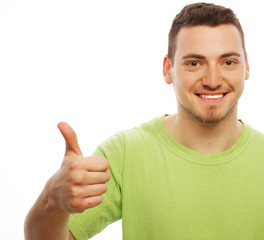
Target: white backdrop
(98,66)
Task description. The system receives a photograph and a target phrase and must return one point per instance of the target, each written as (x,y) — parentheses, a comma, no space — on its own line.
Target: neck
(205,138)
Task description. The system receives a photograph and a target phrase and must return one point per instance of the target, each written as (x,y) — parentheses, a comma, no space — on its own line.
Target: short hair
(196,14)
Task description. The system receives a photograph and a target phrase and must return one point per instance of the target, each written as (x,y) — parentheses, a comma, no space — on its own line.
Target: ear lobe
(166,70)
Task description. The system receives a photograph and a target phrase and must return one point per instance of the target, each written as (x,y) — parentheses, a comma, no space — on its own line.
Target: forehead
(208,41)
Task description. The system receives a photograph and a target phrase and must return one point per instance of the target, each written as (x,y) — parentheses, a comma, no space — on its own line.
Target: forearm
(46,221)
(78,185)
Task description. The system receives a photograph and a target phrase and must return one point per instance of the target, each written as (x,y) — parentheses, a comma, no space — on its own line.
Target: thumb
(72,146)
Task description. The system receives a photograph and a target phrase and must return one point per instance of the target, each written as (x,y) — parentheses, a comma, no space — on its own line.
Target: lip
(211,100)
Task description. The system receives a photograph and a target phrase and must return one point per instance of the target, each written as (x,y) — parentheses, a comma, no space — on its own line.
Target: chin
(213,117)
(209,121)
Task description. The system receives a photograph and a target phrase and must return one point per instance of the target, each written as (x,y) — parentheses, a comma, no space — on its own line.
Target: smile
(216,96)
(211,98)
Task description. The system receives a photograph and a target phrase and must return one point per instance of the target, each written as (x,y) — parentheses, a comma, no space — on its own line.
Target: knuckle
(78,205)
(105,188)
(100,199)
(83,177)
(108,176)
(78,178)
(74,163)
(75,192)
(89,204)
(92,202)
(95,201)
(75,204)
(103,161)
(74,179)
(106,163)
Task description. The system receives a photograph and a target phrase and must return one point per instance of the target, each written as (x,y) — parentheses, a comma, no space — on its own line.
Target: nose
(212,79)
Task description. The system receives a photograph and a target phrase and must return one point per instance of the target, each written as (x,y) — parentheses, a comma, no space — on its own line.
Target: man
(196,174)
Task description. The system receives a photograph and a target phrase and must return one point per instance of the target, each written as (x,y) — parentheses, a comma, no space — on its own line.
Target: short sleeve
(92,221)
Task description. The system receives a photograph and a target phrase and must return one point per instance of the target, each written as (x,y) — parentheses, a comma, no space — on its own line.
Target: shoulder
(127,145)
(256,140)
(257,135)
(135,135)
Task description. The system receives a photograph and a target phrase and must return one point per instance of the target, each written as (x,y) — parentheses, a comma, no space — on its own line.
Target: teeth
(212,96)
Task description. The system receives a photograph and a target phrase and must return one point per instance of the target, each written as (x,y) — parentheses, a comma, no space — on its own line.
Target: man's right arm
(71,237)
(75,187)
(46,221)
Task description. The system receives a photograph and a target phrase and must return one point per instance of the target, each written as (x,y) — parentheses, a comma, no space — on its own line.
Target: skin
(208,61)
(78,185)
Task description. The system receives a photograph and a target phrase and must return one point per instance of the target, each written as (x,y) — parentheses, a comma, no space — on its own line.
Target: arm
(46,221)
(71,237)
(60,222)
(75,187)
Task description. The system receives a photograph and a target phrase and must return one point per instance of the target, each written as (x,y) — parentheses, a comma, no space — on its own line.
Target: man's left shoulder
(257,136)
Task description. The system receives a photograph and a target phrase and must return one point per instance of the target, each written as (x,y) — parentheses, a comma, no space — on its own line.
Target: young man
(197,174)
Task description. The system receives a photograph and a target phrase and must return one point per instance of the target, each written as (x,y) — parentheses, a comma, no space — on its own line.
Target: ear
(166,70)
(247,69)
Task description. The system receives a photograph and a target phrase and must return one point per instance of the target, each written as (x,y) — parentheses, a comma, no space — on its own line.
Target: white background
(98,66)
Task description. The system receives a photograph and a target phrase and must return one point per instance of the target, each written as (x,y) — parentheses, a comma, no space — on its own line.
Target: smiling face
(209,70)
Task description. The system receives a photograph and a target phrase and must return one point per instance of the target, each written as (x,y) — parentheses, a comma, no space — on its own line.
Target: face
(209,70)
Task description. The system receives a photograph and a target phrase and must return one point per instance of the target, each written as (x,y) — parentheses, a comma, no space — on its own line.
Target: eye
(230,62)
(193,63)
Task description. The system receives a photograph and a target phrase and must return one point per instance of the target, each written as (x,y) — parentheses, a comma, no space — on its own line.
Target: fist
(81,181)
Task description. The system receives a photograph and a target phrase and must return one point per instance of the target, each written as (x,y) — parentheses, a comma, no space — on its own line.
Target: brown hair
(201,14)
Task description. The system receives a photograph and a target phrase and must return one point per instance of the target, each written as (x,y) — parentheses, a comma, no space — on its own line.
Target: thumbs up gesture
(81,181)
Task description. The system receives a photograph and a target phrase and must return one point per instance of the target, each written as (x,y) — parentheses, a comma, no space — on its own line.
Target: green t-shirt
(165,191)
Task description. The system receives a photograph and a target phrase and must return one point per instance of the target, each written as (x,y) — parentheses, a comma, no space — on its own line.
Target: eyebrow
(193,56)
(230,54)
(197,56)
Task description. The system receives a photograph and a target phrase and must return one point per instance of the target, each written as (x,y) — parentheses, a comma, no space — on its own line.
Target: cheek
(236,81)
(241,86)
(185,84)
(182,89)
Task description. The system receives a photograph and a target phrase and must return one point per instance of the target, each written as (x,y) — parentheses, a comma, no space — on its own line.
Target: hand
(81,181)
